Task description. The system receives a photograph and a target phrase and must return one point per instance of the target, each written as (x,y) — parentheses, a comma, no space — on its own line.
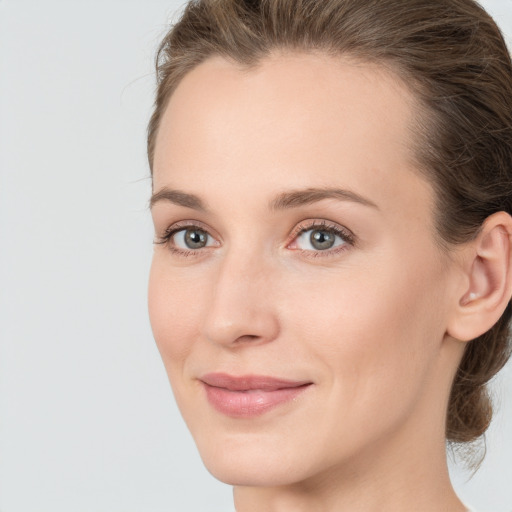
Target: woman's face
(298,297)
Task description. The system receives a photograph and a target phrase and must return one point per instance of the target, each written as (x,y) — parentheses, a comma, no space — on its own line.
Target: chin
(255,461)
(253,473)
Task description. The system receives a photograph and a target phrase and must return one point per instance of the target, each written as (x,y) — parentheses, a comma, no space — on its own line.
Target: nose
(242,308)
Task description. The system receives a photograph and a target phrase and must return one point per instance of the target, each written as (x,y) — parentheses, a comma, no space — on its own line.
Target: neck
(399,477)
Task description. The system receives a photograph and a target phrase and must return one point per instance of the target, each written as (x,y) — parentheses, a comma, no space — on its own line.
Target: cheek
(173,312)
(375,331)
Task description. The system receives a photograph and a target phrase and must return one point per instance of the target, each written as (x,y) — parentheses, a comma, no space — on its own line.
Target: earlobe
(489,280)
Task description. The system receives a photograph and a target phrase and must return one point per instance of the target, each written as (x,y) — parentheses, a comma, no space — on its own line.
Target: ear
(488,285)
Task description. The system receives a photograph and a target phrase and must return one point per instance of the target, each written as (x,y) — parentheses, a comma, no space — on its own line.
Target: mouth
(249,395)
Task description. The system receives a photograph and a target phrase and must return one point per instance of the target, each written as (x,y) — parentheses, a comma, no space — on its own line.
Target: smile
(248,396)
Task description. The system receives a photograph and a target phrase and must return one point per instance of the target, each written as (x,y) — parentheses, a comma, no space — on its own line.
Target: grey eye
(321,239)
(195,238)
(191,238)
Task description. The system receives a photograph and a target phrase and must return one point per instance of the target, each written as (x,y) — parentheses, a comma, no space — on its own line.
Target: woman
(330,289)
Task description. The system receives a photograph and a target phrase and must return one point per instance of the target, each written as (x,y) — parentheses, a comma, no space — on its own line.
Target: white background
(87,419)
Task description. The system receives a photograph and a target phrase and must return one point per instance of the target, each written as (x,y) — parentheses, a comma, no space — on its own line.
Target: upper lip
(250,382)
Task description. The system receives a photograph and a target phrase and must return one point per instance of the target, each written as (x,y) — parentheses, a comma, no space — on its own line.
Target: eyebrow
(297,198)
(284,201)
(179,198)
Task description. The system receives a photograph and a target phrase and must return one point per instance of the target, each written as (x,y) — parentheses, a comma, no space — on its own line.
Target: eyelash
(346,235)
(165,239)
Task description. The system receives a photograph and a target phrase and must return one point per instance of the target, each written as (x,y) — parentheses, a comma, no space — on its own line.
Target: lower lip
(247,404)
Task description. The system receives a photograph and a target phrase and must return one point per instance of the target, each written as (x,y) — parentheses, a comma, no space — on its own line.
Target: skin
(366,322)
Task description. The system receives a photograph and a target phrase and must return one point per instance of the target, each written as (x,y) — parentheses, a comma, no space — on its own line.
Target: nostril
(247,337)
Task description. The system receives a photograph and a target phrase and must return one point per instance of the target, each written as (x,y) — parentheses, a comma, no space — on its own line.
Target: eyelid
(311,224)
(170,231)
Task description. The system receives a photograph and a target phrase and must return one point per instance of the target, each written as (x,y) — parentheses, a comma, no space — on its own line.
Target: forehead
(313,92)
(292,120)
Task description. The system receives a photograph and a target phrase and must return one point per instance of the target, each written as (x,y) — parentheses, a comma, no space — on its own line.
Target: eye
(185,239)
(191,238)
(322,237)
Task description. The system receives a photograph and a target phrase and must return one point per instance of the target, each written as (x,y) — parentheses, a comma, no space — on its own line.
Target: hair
(452,56)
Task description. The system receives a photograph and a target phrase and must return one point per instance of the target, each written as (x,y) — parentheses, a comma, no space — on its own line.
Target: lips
(250,395)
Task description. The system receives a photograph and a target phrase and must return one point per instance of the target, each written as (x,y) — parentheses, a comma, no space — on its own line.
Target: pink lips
(250,395)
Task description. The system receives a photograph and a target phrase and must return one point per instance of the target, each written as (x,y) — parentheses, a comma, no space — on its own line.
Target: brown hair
(454,58)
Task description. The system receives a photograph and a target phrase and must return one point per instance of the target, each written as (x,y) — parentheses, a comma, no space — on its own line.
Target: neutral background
(87,419)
